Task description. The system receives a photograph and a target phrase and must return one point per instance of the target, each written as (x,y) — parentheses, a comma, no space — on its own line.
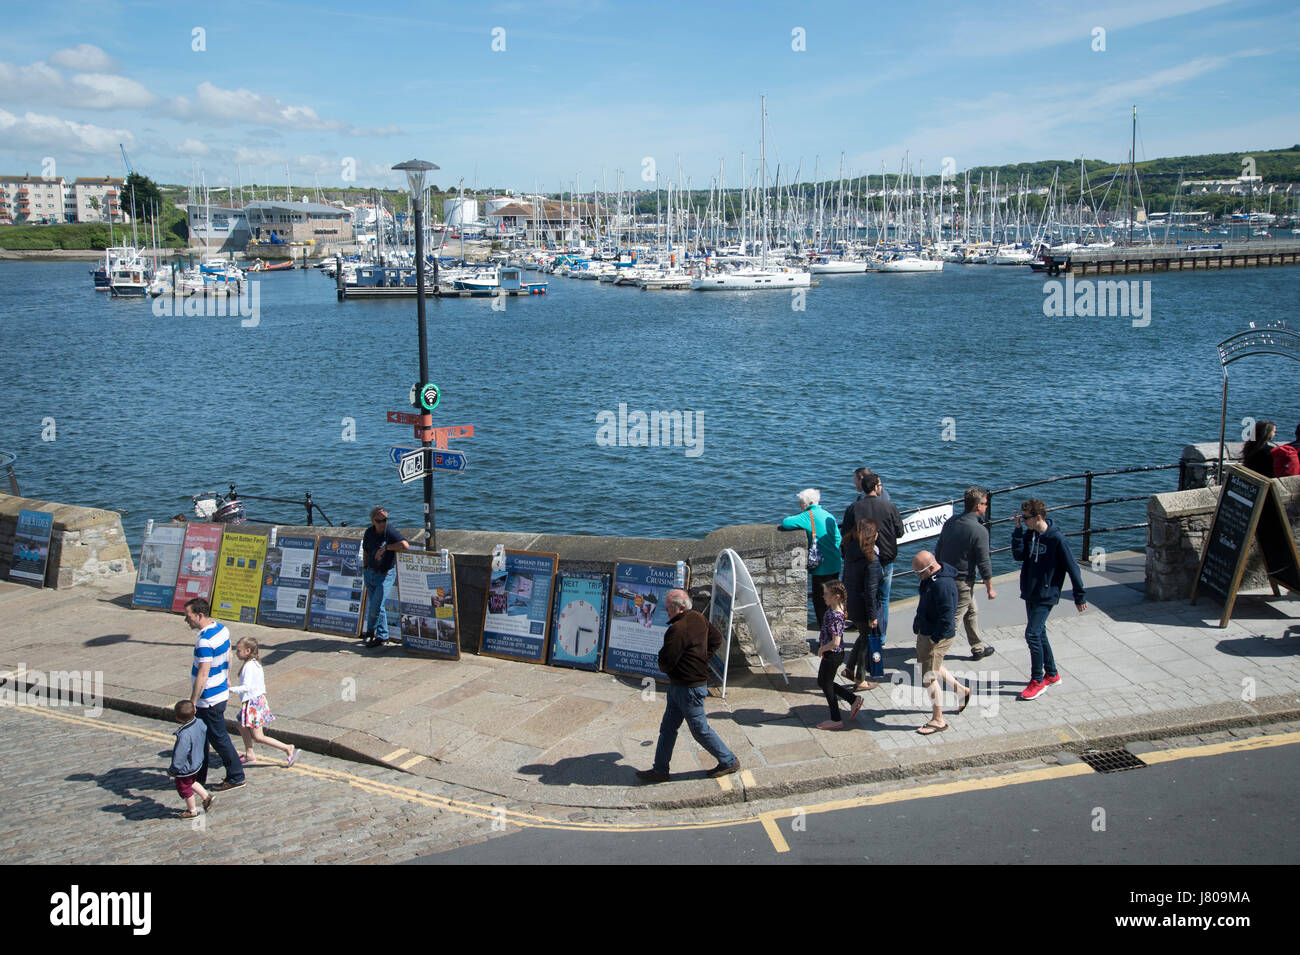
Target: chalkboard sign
(1250,509)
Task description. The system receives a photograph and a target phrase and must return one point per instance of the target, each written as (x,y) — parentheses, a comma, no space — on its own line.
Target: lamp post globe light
(415,170)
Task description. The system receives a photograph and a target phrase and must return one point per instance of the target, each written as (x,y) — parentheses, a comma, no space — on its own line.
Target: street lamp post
(415,170)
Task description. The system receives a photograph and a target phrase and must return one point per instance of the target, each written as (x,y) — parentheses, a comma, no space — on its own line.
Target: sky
(544,95)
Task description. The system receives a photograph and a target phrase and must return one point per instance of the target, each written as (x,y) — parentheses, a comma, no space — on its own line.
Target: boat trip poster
(721,601)
(337,587)
(160,563)
(578,627)
(31,553)
(198,564)
(638,618)
(239,574)
(286,583)
(428,617)
(517,609)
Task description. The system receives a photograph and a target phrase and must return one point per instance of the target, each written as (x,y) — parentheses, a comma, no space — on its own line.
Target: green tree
(140,196)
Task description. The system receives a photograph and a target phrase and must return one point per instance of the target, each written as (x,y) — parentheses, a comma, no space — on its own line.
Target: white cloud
(213,103)
(192,147)
(83,56)
(106,91)
(56,136)
(40,83)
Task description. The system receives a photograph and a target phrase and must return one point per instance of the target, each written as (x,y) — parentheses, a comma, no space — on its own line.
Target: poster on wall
(198,564)
(638,618)
(286,583)
(160,563)
(31,554)
(578,624)
(428,618)
(517,610)
(338,587)
(239,576)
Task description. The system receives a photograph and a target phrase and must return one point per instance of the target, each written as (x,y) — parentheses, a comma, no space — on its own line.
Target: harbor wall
(1178,524)
(87,544)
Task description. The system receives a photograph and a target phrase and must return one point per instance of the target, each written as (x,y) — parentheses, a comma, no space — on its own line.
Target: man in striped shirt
(210,689)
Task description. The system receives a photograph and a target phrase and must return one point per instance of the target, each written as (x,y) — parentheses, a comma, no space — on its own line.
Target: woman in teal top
(817,521)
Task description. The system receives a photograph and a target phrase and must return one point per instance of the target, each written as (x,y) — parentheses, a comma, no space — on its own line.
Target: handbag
(814,551)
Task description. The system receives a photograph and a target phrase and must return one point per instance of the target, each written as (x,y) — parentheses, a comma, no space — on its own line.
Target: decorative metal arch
(1266,338)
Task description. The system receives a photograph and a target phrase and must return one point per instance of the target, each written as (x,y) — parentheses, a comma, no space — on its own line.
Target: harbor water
(935,381)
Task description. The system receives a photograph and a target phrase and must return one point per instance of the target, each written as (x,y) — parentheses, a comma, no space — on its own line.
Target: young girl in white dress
(254,714)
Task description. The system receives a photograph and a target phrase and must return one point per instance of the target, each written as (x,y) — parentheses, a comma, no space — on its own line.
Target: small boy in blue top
(187,759)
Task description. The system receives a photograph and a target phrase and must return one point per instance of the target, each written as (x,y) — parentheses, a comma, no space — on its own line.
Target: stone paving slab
(1131,670)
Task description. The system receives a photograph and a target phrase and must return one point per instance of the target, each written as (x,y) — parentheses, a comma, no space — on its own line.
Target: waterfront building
(31,199)
(217,228)
(97,200)
(271,221)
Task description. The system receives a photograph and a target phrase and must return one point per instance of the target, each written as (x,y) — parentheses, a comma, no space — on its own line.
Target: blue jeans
(377,587)
(886,585)
(214,721)
(687,703)
(1041,661)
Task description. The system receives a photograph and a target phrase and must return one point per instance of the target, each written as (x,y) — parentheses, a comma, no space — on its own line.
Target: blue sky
(585,87)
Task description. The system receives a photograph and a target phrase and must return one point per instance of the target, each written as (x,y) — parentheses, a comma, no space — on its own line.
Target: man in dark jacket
(934,626)
(964,543)
(1045,559)
(689,642)
(870,506)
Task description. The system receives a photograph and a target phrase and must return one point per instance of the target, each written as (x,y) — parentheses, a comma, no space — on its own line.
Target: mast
(1132,166)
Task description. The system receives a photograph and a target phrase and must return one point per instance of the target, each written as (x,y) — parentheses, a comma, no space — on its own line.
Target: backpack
(1286,460)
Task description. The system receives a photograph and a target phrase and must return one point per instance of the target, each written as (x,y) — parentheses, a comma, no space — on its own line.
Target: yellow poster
(239,577)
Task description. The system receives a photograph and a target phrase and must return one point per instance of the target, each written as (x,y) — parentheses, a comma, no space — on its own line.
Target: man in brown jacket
(688,643)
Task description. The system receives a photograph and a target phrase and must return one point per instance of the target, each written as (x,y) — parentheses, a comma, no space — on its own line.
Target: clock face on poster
(578,623)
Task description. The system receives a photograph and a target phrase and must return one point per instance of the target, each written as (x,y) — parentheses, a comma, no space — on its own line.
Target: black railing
(311,506)
(1088,503)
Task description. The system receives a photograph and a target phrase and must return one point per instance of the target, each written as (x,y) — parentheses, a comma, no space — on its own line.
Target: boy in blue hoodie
(187,759)
(1045,559)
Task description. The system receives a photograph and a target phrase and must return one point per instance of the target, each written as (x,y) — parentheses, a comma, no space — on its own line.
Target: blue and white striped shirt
(213,648)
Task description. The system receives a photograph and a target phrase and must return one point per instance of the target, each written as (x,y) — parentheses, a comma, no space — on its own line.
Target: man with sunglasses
(379,547)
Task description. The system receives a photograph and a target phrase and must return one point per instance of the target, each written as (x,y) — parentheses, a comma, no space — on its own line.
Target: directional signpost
(449,461)
(411,467)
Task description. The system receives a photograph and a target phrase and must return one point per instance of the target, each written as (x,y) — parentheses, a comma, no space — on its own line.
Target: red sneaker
(1051,680)
(1033,691)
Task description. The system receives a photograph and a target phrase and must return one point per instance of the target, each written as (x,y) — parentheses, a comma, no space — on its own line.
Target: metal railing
(1088,503)
(7,460)
(311,506)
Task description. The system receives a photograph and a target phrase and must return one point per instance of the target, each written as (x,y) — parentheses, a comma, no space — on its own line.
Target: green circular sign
(430,396)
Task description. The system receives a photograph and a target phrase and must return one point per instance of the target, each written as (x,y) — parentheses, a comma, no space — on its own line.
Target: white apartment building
(31,199)
(97,200)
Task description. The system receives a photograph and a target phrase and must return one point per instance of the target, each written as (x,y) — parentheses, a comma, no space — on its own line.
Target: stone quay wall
(776,559)
(87,544)
(1178,523)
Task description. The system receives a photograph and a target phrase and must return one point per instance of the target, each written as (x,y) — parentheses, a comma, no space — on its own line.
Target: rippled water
(150,410)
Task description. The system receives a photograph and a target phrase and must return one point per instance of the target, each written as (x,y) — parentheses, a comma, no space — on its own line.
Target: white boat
(910,263)
(838,266)
(742,280)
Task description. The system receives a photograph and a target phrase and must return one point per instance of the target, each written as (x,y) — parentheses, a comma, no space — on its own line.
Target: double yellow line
(768,820)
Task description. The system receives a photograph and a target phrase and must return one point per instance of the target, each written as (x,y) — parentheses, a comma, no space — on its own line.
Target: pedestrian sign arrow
(411,466)
(449,461)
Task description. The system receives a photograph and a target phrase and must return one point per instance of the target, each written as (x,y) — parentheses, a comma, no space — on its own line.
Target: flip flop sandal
(932,728)
(292,756)
(966,702)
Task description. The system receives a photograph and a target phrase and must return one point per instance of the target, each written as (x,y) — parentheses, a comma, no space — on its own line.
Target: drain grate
(1112,760)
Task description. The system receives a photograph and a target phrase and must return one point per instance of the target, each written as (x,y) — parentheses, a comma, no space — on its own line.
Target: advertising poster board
(286,583)
(198,564)
(721,604)
(638,618)
(578,623)
(750,608)
(428,618)
(239,576)
(160,563)
(31,554)
(338,587)
(517,611)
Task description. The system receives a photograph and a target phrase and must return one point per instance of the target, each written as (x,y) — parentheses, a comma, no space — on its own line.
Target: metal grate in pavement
(1111,760)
